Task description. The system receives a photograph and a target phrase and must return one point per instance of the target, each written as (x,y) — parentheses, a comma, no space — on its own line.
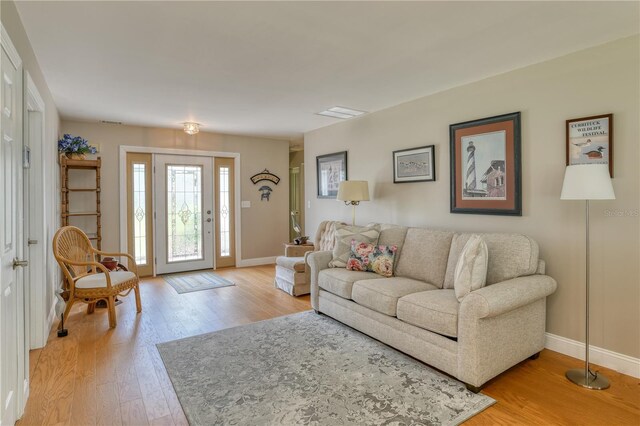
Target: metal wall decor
(265,175)
(265,190)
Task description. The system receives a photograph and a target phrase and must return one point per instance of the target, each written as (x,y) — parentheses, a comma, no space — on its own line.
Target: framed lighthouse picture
(485,166)
(590,140)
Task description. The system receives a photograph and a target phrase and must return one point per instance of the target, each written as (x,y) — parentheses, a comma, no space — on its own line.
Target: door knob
(208,219)
(20,263)
(208,211)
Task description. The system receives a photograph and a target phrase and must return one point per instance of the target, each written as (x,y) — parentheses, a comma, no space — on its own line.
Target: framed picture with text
(331,169)
(414,164)
(485,166)
(590,140)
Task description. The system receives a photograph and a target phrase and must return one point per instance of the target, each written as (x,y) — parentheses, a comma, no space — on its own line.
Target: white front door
(11,308)
(184,213)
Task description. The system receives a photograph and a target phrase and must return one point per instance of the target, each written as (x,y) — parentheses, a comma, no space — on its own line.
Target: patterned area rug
(187,282)
(309,369)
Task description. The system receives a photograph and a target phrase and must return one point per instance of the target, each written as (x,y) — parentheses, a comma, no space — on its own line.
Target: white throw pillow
(471,269)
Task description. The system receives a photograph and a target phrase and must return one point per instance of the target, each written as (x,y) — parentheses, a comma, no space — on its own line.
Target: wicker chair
(87,280)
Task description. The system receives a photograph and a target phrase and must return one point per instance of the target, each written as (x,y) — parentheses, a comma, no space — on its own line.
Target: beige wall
(264,224)
(603,79)
(12,23)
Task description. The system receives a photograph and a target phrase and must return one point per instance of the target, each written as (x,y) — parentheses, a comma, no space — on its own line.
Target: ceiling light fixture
(341,112)
(191,128)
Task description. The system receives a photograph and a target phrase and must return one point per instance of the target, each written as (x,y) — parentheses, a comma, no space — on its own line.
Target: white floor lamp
(587,182)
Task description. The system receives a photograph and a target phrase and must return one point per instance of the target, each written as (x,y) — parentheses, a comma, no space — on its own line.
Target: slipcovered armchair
(292,272)
(87,280)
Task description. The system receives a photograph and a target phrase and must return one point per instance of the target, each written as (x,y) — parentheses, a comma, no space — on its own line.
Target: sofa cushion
(393,235)
(424,255)
(382,295)
(345,234)
(340,281)
(435,310)
(295,263)
(471,270)
(99,280)
(510,256)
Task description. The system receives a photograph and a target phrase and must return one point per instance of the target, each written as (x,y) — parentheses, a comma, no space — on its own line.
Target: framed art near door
(485,166)
(590,140)
(331,169)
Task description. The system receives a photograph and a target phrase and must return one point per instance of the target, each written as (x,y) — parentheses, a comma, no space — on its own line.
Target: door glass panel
(184,213)
(225,212)
(139,214)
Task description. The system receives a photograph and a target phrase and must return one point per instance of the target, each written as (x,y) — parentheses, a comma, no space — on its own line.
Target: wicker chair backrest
(71,244)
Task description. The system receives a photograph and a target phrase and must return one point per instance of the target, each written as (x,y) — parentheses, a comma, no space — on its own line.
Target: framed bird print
(590,140)
(485,166)
(414,164)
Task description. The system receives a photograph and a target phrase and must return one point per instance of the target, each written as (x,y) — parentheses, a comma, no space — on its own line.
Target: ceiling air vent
(119,123)
(341,112)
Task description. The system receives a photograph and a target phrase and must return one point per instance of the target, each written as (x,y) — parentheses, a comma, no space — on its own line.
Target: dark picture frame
(485,166)
(331,169)
(414,164)
(590,140)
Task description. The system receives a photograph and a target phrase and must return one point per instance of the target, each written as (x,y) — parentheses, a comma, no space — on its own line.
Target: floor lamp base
(590,381)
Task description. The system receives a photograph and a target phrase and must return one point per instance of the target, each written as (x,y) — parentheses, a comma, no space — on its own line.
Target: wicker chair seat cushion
(100,280)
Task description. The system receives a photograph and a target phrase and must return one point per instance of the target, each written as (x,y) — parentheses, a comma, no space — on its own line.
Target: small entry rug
(309,369)
(187,282)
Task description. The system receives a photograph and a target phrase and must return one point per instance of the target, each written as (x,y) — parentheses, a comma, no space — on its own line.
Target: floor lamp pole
(579,376)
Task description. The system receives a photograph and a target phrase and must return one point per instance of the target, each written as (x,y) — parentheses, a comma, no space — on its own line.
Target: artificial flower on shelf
(75,147)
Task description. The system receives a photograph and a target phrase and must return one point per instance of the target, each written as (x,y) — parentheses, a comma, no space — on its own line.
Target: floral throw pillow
(344,235)
(372,258)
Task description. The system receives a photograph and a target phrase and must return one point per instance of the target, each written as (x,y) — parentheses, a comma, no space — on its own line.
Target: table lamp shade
(587,182)
(353,190)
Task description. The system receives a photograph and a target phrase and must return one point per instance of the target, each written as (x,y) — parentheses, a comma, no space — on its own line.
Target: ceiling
(266,68)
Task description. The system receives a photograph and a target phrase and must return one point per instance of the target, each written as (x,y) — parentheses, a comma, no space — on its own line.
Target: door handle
(32,242)
(20,263)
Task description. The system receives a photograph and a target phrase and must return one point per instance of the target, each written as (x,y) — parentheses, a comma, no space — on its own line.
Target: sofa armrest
(317,261)
(499,298)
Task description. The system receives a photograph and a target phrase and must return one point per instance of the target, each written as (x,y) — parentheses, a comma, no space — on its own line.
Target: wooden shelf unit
(67,164)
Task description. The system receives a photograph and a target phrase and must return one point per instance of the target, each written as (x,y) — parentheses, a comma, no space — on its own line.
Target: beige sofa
(417,311)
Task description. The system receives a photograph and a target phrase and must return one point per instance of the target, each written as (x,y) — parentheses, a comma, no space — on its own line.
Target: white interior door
(184,207)
(35,225)
(11,308)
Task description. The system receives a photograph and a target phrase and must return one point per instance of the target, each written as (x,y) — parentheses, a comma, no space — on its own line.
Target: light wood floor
(115,377)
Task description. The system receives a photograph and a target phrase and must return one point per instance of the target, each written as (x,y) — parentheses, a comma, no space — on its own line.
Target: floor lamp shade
(587,182)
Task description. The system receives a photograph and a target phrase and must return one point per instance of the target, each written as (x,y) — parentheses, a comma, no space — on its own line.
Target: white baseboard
(257,261)
(619,362)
